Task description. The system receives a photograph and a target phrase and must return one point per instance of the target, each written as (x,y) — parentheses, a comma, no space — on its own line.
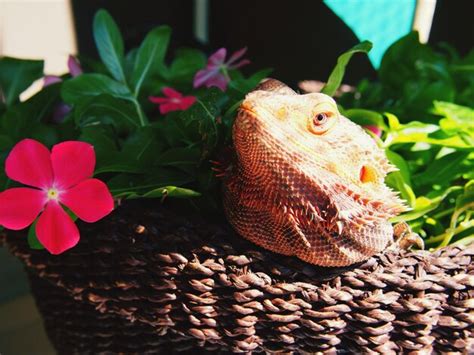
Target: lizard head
(322,174)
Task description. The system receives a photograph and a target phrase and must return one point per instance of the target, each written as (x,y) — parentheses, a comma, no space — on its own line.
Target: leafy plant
(423,103)
(140,152)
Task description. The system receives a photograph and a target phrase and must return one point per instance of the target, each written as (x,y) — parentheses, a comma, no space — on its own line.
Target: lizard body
(307,181)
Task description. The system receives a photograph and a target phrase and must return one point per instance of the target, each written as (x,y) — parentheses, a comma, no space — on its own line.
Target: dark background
(299,39)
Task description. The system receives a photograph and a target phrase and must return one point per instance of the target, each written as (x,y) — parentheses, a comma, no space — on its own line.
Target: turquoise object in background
(380,21)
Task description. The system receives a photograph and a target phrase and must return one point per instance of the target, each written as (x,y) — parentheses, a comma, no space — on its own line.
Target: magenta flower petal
(74,66)
(90,200)
(29,163)
(217,58)
(73,162)
(374,129)
(171,93)
(50,80)
(203,76)
(158,100)
(219,81)
(186,102)
(175,101)
(20,206)
(56,230)
(236,56)
(239,64)
(168,107)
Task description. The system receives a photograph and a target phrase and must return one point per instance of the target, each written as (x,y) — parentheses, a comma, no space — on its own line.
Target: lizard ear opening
(367,174)
(275,86)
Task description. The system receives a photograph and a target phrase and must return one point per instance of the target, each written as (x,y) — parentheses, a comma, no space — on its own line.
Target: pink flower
(374,129)
(215,73)
(74,67)
(174,101)
(60,177)
(50,80)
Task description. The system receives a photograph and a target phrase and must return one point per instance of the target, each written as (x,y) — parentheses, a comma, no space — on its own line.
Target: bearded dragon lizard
(307,181)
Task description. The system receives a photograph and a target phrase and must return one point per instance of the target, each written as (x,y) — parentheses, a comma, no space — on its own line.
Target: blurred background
(299,39)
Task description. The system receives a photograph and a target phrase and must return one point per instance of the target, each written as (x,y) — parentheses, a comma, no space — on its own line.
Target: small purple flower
(50,80)
(75,68)
(216,71)
(60,112)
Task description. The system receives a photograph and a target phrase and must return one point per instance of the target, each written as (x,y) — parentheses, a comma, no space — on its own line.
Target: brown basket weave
(149,279)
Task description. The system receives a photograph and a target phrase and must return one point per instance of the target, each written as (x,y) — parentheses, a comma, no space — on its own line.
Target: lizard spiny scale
(311,188)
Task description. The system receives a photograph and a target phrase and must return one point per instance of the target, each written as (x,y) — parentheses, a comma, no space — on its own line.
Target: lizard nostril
(367,174)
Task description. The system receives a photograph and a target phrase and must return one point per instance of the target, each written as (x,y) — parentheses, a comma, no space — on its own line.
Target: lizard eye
(322,122)
(320,119)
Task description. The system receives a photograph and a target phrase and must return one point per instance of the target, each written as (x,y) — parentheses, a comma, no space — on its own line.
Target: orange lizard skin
(307,181)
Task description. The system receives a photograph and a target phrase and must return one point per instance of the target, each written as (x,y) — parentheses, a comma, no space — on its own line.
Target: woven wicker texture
(148,279)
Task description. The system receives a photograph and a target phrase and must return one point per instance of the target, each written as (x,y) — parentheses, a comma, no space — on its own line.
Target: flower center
(52,194)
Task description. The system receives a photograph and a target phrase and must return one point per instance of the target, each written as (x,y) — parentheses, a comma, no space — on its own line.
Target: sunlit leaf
(337,74)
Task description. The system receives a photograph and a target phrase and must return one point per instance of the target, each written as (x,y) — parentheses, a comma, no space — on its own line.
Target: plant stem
(443,213)
(442,237)
(465,241)
(225,72)
(454,219)
(143,119)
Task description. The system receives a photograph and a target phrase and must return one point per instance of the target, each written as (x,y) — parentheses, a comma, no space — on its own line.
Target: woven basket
(147,279)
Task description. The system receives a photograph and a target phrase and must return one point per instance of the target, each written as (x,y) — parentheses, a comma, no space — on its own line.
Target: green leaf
(138,154)
(466,200)
(130,59)
(337,74)
(425,204)
(144,146)
(185,65)
(464,203)
(365,117)
(401,164)
(166,191)
(201,117)
(186,159)
(393,122)
(398,64)
(33,241)
(456,118)
(107,109)
(243,85)
(109,44)
(16,75)
(396,181)
(103,138)
(418,132)
(150,56)
(112,166)
(419,94)
(86,85)
(25,119)
(442,170)
(126,184)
